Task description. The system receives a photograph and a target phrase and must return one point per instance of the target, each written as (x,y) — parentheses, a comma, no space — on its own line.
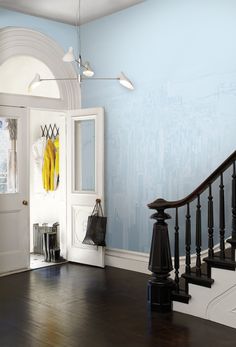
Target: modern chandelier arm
(81,64)
(123,80)
(99,78)
(59,79)
(37,80)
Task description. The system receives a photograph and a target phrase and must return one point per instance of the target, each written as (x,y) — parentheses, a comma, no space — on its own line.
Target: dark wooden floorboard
(78,306)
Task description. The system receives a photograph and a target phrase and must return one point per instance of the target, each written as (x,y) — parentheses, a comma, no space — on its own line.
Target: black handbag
(96,227)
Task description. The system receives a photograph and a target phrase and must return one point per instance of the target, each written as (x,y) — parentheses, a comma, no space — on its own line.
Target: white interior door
(85,180)
(14,210)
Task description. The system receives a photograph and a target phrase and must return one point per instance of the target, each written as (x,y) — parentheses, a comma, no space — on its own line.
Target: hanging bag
(96,227)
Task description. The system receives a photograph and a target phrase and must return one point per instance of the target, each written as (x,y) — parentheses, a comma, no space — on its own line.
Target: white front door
(85,180)
(14,205)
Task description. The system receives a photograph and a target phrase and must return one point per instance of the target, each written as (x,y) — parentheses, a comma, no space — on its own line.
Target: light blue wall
(179,124)
(63,34)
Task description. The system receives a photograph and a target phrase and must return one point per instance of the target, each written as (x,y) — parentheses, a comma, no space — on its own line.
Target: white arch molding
(21,41)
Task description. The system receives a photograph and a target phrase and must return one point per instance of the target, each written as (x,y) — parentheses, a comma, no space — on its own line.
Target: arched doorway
(67,203)
(25,52)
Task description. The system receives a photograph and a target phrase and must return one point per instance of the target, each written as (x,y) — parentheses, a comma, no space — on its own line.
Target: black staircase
(161,289)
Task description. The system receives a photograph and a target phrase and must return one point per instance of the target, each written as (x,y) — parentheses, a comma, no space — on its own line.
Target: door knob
(25,202)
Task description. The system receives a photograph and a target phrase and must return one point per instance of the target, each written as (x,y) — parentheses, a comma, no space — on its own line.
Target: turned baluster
(232,240)
(177,249)
(210,224)
(188,241)
(234,203)
(198,237)
(222,218)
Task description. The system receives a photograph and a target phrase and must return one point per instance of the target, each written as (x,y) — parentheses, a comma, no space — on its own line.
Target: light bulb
(125,82)
(88,72)
(34,83)
(69,56)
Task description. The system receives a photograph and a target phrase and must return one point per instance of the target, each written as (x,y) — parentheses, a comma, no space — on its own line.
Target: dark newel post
(210,224)
(160,263)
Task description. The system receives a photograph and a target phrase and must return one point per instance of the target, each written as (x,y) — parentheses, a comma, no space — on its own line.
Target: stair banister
(160,286)
(161,203)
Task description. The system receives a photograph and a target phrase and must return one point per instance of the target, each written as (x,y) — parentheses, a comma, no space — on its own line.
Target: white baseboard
(137,261)
(127,260)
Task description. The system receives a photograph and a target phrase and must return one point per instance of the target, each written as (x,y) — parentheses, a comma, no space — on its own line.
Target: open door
(14,210)
(85,180)
(48,207)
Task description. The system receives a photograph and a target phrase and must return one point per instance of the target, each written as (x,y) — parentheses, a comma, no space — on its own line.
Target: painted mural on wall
(166,137)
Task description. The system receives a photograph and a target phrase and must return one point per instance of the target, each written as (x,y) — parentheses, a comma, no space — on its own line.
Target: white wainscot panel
(80,216)
(79,252)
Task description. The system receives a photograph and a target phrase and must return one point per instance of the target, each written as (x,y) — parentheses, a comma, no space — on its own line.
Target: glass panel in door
(84,155)
(8,155)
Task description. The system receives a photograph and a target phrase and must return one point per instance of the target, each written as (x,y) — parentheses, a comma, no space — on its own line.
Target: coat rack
(50,132)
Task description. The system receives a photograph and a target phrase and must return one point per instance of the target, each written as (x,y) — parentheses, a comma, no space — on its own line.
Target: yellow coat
(57,159)
(49,166)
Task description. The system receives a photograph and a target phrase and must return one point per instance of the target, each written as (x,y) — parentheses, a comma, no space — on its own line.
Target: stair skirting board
(137,261)
(216,303)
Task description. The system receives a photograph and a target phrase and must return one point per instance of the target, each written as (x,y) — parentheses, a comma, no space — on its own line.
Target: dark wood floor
(74,305)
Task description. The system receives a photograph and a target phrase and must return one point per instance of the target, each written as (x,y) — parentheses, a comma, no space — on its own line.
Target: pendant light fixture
(84,70)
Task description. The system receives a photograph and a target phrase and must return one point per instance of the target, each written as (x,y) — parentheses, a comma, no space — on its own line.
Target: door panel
(14,215)
(85,134)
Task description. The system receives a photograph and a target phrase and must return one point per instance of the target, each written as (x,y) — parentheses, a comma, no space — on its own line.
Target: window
(8,155)
(17,72)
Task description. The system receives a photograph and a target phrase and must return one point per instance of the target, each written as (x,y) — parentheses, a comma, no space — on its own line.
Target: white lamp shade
(125,82)
(69,56)
(34,83)
(88,72)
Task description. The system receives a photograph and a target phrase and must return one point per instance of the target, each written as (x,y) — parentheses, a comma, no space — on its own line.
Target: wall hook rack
(50,132)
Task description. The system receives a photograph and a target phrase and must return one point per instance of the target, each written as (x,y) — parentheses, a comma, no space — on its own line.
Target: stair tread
(232,242)
(227,252)
(216,261)
(180,296)
(202,280)
(217,258)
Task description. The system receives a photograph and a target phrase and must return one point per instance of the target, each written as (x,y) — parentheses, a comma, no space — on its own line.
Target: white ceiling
(65,10)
